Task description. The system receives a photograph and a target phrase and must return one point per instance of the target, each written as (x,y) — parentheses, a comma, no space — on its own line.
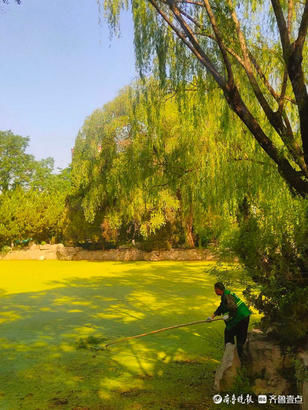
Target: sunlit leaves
(32,214)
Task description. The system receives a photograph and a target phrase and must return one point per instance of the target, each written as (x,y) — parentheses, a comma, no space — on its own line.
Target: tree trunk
(189,236)
(292,177)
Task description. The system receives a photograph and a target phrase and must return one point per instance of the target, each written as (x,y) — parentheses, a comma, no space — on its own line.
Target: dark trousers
(240,332)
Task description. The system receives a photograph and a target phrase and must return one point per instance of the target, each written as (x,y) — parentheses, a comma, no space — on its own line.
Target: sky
(58,65)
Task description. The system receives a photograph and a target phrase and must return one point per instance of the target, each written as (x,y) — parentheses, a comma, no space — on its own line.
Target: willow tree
(209,165)
(116,177)
(255,52)
(143,164)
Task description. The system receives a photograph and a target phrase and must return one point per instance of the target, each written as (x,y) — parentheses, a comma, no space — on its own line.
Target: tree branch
(289,174)
(241,62)
(232,95)
(193,20)
(285,74)
(274,118)
(195,3)
(220,42)
(266,82)
(193,45)
(201,57)
(283,129)
(282,26)
(293,60)
(302,32)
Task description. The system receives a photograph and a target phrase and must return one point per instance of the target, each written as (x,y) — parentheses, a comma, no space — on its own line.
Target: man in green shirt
(238,321)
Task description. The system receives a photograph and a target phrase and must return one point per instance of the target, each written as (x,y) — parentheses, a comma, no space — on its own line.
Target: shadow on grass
(42,367)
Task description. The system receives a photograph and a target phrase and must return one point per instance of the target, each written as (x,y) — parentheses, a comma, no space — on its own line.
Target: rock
(124,247)
(257,331)
(67,253)
(260,386)
(34,247)
(131,254)
(45,247)
(59,251)
(227,371)
(31,254)
(265,365)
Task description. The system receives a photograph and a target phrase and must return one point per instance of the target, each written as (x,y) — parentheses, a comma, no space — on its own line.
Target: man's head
(219,288)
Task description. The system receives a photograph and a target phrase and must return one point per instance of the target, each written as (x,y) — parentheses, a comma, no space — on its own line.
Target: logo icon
(217,399)
(262,399)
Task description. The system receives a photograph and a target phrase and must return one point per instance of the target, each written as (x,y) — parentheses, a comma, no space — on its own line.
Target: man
(238,321)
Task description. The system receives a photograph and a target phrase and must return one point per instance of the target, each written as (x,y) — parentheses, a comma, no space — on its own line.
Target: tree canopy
(32,195)
(19,169)
(139,160)
(254,51)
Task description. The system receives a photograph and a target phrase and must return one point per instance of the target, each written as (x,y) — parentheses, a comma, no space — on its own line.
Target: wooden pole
(197,322)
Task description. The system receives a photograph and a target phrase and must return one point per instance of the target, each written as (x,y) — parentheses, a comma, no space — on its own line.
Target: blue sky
(58,65)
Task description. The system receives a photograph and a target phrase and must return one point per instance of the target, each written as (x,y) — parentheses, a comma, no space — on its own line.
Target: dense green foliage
(147,169)
(143,164)
(32,196)
(16,166)
(253,51)
(271,242)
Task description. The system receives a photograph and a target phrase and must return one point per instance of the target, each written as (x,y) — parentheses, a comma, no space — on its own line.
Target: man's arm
(220,310)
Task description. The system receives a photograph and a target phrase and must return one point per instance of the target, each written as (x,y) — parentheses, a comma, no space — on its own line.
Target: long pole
(197,322)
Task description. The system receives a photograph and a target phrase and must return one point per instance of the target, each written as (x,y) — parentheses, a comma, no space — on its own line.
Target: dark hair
(219,285)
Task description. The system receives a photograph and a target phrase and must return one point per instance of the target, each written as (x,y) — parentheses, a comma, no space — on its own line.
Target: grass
(55,315)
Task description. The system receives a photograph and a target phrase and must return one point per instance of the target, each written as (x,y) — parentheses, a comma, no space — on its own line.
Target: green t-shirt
(242,310)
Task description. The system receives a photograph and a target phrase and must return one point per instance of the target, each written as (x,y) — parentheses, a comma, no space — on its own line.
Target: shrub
(274,249)
(5,250)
